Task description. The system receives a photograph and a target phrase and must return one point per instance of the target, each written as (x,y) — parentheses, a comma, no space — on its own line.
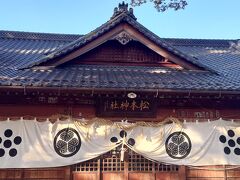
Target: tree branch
(163,5)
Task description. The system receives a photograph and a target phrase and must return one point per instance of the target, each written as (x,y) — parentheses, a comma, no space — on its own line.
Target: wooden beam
(91,45)
(161,51)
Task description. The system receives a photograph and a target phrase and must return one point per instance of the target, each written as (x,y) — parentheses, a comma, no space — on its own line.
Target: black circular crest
(8,133)
(231,133)
(67,142)
(17,140)
(222,138)
(178,145)
(227,150)
(122,134)
(231,143)
(2,152)
(238,140)
(114,139)
(7,143)
(237,151)
(13,152)
(131,141)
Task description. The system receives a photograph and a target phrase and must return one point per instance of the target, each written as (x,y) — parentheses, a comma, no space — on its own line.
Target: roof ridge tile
(199,42)
(38,35)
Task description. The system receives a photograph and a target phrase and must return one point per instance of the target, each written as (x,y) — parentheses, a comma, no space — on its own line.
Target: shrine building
(118,103)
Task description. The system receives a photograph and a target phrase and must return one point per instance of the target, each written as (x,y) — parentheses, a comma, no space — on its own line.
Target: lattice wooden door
(134,167)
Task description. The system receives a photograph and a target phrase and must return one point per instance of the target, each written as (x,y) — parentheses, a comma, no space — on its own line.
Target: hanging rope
(126,125)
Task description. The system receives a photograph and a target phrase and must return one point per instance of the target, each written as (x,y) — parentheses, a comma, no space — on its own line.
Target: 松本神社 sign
(32,144)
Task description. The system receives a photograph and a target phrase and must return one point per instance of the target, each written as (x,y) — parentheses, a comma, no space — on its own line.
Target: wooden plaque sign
(126,108)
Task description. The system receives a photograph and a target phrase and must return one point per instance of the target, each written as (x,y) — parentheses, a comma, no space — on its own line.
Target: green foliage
(162,5)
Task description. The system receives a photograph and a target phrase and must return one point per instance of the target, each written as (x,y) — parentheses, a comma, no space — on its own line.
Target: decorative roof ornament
(123,8)
(123,38)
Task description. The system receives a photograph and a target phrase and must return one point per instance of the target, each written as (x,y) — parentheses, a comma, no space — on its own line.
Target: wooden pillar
(153,170)
(125,170)
(182,173)
(225,172)
(22,173)
(68,173)
(99,169)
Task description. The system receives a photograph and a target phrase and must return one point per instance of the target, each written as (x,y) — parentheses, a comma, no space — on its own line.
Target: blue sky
(212,19)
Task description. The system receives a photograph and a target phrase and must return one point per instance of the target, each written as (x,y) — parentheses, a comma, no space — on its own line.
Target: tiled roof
(20,50)
(39,36)
(96,76)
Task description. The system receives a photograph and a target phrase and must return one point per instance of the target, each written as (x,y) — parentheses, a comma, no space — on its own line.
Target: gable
(142,44)
(124,28)
(113,52)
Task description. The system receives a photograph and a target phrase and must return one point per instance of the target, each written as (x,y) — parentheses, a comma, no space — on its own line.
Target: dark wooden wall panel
(85,176)
(167,176)
(141,176)
(207,172)
(115,52)
(34,174)
(46,110)
(88,111)
(112,176)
